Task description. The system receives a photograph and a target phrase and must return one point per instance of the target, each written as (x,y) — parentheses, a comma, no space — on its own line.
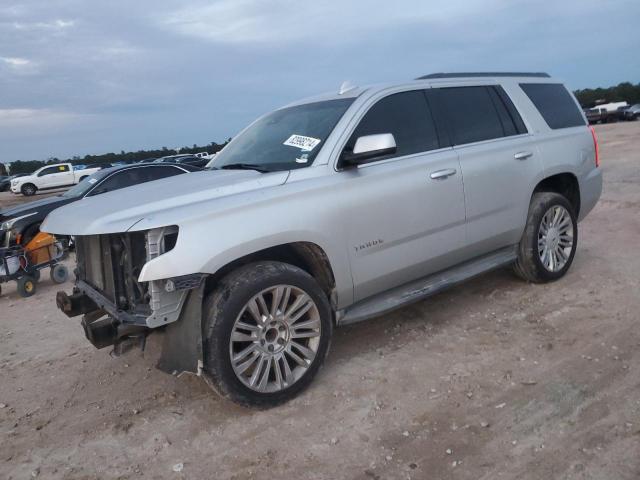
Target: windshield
(85,185)
(285,139)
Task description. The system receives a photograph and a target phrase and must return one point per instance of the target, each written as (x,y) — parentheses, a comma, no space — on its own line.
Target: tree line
(28,166)
(623,92)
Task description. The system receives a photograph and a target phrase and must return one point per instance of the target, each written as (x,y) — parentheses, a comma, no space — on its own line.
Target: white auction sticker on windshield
(92,180)
(303,143)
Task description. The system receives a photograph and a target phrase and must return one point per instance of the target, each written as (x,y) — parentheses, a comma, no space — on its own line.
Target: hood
(44,204)
(155,204)
(22,178)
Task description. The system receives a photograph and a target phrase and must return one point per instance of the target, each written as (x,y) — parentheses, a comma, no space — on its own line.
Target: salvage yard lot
(9,199)
(492,379)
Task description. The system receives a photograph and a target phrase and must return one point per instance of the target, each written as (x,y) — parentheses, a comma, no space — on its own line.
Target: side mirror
(370,147)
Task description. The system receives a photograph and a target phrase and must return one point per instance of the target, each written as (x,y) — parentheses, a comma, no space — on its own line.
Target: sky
(84,77)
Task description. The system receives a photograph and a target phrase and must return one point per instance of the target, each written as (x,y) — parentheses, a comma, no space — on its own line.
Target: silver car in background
(329,211)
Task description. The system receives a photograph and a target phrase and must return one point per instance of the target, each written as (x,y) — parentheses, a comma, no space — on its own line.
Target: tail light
(595,145)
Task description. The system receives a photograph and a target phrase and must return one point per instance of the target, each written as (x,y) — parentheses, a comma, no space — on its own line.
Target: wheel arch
(308,256)
(566,184)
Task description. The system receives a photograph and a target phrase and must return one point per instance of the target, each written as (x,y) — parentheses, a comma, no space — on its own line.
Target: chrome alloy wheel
(275,338)
(555,238)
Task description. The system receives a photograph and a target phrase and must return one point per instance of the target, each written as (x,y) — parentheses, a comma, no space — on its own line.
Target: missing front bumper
(105,331)
(104,325)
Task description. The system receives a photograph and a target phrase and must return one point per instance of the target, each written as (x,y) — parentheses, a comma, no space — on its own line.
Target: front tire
(549,241)
(267,329)
(28,190)
(26,286)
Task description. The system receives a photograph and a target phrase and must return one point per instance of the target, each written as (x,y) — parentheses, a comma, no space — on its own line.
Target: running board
(424,287)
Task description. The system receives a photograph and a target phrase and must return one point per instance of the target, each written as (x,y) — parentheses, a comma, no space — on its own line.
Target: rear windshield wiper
(245,166)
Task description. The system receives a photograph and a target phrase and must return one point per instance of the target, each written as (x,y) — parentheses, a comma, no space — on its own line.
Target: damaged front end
(120,311)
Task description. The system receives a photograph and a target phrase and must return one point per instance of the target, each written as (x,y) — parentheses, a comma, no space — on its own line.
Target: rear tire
(267,329)
(549,241)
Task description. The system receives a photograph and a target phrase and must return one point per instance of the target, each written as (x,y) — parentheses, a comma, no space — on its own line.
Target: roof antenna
(345,87)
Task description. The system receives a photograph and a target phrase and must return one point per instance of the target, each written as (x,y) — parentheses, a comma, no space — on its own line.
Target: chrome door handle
(522,155)
(442,174)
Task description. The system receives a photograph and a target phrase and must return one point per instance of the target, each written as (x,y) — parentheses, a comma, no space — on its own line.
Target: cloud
(58,24)
(36,118)
(281,21)
(18,65)
(82,77)
(120,50)
(16,62)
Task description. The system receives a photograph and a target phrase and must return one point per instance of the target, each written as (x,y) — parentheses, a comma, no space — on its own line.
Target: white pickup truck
(50,177)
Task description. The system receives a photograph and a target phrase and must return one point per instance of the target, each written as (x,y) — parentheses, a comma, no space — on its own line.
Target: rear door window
(407,116)
(472,115)
(555,104)
(118,180)
(149,174)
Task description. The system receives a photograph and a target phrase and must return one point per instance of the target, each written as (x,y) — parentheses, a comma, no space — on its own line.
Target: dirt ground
(8,199)
(493,379)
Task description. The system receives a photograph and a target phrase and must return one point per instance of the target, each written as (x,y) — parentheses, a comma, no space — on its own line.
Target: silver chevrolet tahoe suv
(329,211)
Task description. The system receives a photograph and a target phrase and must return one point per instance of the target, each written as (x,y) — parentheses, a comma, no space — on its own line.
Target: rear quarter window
(555,104)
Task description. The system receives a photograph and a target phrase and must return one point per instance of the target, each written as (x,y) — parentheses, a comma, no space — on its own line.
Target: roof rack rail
(484,74)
